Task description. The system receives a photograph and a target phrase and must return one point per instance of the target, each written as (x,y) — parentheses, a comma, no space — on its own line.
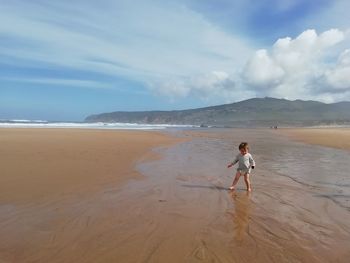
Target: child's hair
(243,145)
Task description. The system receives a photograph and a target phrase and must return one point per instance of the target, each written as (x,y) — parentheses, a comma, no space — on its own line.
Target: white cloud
(303,67)
(262,71)
(304,51)
(338,77)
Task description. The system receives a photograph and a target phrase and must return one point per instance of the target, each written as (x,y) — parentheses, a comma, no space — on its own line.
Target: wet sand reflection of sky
(241,214)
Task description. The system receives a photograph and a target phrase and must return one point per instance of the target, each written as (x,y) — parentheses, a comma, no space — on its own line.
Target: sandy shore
(46,175)
(41,163)
(331,137)
(180,210)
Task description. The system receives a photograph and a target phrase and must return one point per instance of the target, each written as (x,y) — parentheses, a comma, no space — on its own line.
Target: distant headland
(255,112)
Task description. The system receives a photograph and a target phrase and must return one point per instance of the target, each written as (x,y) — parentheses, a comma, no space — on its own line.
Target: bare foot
(249,189)
(231,188)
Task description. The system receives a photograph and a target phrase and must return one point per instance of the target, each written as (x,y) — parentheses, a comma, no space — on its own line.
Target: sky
(64,60)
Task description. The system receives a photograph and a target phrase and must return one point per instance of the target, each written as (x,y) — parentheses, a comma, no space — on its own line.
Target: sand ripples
(182,211)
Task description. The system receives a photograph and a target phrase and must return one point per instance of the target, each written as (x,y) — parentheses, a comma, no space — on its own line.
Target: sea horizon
(26,123)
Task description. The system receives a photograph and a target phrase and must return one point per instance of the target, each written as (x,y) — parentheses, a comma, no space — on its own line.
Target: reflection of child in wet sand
(245,164)
(241,215)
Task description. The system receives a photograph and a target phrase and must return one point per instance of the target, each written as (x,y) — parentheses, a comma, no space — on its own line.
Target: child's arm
(233,163)
(251,161)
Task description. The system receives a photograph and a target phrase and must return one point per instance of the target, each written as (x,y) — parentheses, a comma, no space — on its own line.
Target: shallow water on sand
(297,212)
(325,169)
(181,211)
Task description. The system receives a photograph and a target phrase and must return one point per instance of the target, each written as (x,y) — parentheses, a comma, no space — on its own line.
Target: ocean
(88,125)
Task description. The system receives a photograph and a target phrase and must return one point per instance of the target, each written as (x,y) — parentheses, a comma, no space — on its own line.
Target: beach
(72,195)
(43,163)
(49,176)
(331,137)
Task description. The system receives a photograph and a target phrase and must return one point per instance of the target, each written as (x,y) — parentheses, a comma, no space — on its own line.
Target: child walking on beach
(245,164)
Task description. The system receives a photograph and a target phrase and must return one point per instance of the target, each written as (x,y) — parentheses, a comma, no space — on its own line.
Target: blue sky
(64,60)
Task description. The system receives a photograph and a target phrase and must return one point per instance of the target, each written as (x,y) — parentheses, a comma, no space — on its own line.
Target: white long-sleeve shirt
(245,162)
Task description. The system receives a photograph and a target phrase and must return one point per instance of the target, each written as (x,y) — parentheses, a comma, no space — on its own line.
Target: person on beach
(245,164)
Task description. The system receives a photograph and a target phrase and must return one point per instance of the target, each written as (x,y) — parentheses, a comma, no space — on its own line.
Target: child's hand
(230,165)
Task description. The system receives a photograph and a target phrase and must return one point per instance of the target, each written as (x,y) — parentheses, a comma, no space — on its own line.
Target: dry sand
(180,211)
(41,163)
(331,137)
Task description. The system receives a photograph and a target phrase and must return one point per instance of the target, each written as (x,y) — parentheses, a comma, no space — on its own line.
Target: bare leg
(247,182)
(235,181)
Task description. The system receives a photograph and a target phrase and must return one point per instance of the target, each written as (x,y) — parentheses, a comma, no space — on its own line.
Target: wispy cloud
(212,51)
(60,82)
(203,86)
(145,42)
(262,21)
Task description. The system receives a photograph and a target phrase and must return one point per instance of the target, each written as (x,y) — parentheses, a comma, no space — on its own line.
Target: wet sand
(331,137)
(181,210)
(49,178)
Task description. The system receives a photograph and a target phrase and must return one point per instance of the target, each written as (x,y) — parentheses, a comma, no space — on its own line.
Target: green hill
(252,112)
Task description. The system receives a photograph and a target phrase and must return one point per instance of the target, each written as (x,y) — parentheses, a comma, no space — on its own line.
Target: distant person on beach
(245,164)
